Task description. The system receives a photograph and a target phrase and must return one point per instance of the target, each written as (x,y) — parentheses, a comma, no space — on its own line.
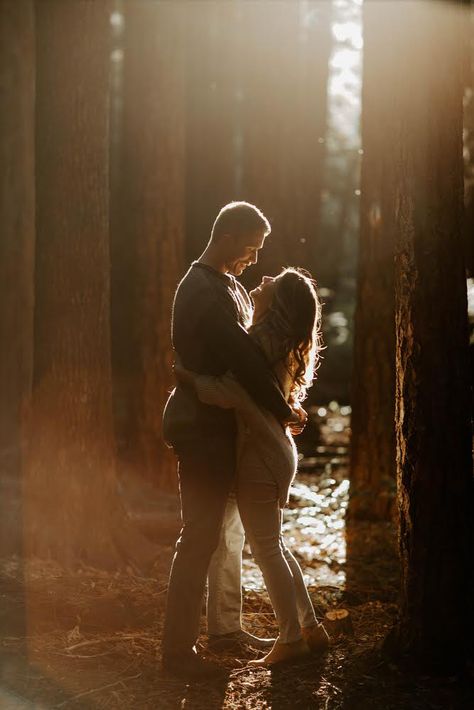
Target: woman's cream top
(265,450)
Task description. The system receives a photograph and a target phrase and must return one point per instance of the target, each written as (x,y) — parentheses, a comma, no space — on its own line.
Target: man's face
(243,251)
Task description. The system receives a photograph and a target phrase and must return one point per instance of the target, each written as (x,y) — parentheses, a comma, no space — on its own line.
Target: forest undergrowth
(91,639)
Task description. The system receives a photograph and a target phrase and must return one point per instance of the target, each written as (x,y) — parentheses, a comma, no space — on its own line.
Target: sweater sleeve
(223,391)
(284,375)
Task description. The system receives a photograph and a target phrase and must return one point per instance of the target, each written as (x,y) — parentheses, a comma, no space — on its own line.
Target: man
(210,313)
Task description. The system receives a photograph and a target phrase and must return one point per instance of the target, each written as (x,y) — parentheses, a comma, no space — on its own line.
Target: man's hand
(298,419)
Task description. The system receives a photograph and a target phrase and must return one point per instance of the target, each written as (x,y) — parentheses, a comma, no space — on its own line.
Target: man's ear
(229,239)
(222,237)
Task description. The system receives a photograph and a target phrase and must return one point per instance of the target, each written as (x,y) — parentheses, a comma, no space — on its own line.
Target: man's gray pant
(206,477)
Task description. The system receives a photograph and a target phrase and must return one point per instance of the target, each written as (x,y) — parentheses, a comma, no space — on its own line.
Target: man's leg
(205,478)
(224,596)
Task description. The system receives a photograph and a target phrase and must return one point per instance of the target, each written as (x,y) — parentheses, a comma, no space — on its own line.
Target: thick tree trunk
(148,237)
(436,498)
(212,147)
(17,219)
(373,378)
(284,85)
(468,222)
(17,208)
(72,507)
(468,217)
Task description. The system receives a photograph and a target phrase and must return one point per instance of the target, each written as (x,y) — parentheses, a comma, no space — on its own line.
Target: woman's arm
(223,391)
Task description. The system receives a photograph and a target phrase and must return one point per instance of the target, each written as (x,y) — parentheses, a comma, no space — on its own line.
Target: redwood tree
(284,54)
(373,377)
(212,115)
(435,484)
(148,232)
(72,507)
(17,214)
(468,223)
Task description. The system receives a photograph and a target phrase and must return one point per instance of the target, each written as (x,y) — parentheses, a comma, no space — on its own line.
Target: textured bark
(17,213)
(148,237)
(373,378)
(468,222)
(434,464)
(284,60)
(468,217)
(212,148)
(72,506)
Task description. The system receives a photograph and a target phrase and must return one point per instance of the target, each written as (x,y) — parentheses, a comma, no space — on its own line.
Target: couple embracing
(243,364)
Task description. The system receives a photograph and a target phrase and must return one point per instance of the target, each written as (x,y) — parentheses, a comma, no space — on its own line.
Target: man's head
(239,233)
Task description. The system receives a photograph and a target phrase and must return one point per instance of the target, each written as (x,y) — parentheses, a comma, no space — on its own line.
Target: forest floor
(91,639)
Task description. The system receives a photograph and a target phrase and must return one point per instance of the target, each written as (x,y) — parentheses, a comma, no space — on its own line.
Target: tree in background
(17,242)
(283,78)
(212,102)
(147,232)
(71,503)
(468,222)
(17,210)
(373,375)
(434,463)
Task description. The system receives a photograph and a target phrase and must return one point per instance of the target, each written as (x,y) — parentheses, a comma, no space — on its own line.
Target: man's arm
(241,355)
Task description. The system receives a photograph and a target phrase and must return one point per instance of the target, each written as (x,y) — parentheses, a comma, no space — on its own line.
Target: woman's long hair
(290,328)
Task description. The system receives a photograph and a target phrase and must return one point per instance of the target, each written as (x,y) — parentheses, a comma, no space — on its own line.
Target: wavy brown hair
(290,328)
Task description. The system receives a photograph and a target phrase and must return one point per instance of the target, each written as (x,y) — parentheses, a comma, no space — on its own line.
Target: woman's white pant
(224,590)
(260,513)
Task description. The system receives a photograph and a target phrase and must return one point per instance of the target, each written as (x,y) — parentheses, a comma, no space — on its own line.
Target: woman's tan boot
(316,637)
(283,653)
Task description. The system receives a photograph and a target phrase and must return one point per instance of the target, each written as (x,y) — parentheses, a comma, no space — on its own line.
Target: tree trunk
(17,218)
(373,378)
(148,238)
(468,222)
(17,215)
(285,57)
(72,507)
(212,148)
(434,464)
(468,217)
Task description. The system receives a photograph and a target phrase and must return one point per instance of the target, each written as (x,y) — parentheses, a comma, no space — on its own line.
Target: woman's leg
(314,633)
(306,614)
(224,588)
(261,516)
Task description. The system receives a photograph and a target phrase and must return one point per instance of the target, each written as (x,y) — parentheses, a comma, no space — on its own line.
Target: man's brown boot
(191,666)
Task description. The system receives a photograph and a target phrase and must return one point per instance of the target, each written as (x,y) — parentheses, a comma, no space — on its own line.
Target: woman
(285,325)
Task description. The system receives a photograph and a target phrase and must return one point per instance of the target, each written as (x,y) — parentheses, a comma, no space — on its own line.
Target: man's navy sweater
(210,338)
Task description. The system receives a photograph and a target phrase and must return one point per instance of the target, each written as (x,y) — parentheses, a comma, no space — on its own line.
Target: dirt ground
(91,639)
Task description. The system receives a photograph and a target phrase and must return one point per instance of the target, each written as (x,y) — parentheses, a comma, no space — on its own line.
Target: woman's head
(288,308)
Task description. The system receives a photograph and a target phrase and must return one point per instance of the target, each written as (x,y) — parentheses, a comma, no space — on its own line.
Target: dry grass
(92,640)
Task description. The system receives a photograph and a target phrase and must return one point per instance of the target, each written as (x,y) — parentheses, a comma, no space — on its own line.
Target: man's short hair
(239,218)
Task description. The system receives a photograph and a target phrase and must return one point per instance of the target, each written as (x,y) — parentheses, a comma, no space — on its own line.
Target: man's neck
(209,257)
